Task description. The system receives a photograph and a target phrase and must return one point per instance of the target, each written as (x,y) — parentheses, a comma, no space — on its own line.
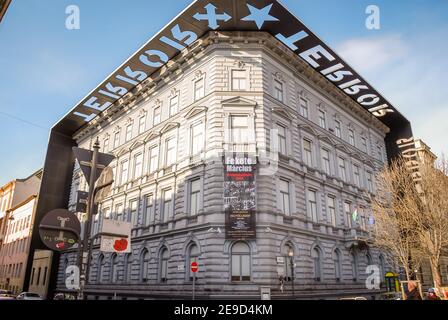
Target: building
(242,90)
(41,269)
(19,201)
(4,4)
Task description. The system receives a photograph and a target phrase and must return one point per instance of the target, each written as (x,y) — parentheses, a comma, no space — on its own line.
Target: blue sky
(46,69)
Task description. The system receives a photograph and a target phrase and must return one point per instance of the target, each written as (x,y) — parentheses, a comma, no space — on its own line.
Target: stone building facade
(318,152)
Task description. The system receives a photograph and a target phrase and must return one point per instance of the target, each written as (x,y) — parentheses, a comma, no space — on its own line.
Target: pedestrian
(282,282)
(413,292)
(432,294)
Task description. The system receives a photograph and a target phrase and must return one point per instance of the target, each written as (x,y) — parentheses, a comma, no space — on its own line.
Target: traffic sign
(59,229)
(84,158)
(194,267)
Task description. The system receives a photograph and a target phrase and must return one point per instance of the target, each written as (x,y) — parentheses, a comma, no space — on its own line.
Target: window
(364,144)
(153,159)
(331,203)
(337,129)
(307,152)
(348,213)
(174,105)
(278,90)
(289,261)
(369,259)
(351,137)
(167,205)
(164,256)
(197,138)
(369,181)
(114,268)
(128,132)
(116,139)
(282,139)
(317,258)
(326,161)
(356,175)
(239,129)
(354,262)
(138,165)
(199,89)
(144,265)
(170,152)
(322,119)
(142,124)
(382,267)
(100,268)
(106,145)
(193,254)
(284,197)
(148,216)
(379,153)
(133,207)
(128,268)
(312,205)
(119,212)
(337,265)
(303,107)
(124,171)
(38,275)
(195,194)
(239,80)
(240,262)
(342,169)
(157,113)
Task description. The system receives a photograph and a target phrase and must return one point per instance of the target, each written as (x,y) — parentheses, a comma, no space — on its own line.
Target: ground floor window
(240,262)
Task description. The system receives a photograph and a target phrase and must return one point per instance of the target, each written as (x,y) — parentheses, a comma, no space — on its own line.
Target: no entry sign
(194,267)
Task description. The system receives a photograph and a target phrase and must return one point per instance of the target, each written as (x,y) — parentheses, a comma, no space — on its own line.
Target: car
(4,298)
(5,294)
(354,298)
(29,296)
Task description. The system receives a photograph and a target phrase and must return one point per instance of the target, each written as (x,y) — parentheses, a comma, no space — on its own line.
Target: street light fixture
(291,263)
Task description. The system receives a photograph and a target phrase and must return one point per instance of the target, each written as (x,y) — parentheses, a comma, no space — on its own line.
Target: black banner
(240,196)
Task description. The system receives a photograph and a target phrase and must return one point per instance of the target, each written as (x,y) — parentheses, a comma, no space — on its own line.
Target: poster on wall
(240,196)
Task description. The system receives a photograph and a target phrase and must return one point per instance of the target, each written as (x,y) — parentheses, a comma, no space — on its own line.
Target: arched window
(240,262)
(128,271)
(144,265)
(369,259)
(100,274)
(164,256)
(354,266)
(114,269)
(192,255)
(382,267)
(317,258)
(337,265)
(289,261)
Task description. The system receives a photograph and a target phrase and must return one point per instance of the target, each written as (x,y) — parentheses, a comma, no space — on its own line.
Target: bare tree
(411,213)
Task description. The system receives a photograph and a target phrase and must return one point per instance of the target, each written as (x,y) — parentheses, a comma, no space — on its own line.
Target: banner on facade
(240,196)
(116,236)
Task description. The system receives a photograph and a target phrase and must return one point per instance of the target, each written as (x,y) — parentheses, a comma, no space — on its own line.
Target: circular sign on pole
(59,229)
(194,267)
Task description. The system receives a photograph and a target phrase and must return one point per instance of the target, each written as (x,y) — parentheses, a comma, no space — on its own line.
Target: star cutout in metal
(259,16)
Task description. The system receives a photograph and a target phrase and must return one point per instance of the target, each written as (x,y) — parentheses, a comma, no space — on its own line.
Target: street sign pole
(194,282)
(86,240)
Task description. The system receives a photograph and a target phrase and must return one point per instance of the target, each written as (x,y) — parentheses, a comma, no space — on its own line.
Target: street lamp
(291,262)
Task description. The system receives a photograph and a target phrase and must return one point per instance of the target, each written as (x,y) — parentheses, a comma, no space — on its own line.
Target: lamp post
(291,263)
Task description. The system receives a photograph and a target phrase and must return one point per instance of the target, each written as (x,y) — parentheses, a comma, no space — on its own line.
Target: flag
(355,215)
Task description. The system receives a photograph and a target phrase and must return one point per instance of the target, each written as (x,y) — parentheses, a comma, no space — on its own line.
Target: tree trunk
(436,273)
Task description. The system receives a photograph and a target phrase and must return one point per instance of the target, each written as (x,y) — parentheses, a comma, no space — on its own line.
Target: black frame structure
(148,62)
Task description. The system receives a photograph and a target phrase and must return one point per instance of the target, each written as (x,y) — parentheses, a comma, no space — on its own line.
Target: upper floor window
(148,215)
(239,80)
(278,90)
(133,212)
(326,161)
(348,213)
(240,262)
(167,204)
(157,116)
(364,144)
(282,146)
(138,165)
(170,151)
(116,139)
(342,169)
(128,132)
(195,195)
(124,171)
(153,159)
(307,152)
(356,175)
(199,89)
(106,145)
(331,203)
(303,107)
(174,105)
(239,126)
(197,138)
(119,212)
(322,119)
(142,124)
(312,205)
(285,200)
(379,152)
(337,128)
(351,137)
(369,181)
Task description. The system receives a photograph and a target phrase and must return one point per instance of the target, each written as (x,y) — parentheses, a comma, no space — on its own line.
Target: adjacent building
(233,87)
(4,4)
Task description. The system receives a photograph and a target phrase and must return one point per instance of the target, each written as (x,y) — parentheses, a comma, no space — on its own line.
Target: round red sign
(194,267)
